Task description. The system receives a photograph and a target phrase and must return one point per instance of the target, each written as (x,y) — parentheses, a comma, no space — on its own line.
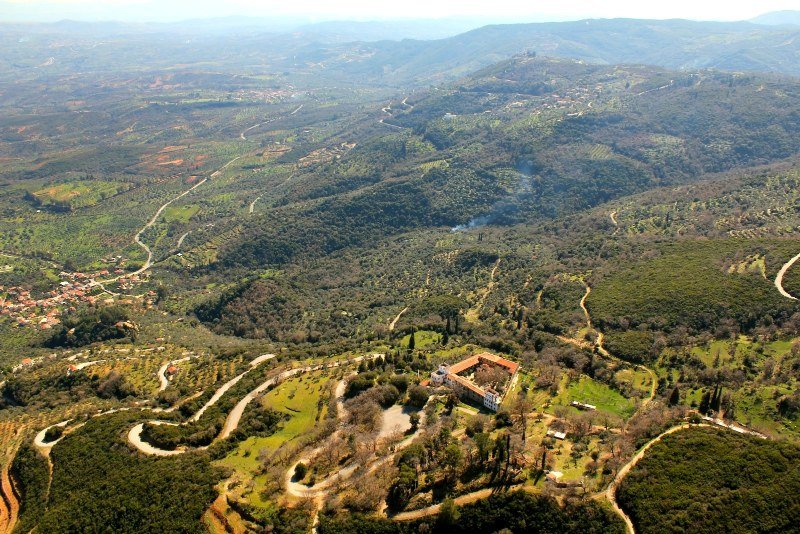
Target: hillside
(491,149)
(778,18)
(259,282)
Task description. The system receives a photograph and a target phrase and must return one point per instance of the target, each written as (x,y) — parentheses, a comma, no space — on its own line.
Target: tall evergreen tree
(675,397)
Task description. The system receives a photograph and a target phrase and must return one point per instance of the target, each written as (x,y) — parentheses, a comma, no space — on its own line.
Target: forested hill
(526,139)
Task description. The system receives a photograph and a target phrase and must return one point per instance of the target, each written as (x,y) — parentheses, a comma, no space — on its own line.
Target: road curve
(135,438)
(779,278)
(228,385)
(611,491)
(232,421)
(320,489)
(39,442)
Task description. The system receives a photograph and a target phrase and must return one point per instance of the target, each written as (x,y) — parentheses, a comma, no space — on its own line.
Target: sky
(319,10)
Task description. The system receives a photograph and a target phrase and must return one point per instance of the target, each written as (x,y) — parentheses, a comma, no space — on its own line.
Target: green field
(591,391)
(297,397)
(422,339)
(180,214)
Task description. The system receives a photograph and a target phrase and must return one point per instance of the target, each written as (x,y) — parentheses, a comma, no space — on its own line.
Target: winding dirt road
(228,385)
(321,489)
(603,352)
(611,491)
(780,275)
(138,237)
(235,415)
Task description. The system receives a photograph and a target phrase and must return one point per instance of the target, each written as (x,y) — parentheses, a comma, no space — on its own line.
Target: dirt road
(394,321)
(611,491)
(162,373)
(780,275)
(10,502)
(135,438)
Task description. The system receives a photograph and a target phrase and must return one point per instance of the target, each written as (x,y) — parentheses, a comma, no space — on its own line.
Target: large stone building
(460,378)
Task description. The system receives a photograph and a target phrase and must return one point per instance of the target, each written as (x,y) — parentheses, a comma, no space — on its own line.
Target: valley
(502,280)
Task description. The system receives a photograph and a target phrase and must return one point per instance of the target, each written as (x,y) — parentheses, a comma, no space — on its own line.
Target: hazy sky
(512,10)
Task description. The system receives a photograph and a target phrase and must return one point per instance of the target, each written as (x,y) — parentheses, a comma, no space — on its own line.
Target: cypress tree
(674,397)
(704,402)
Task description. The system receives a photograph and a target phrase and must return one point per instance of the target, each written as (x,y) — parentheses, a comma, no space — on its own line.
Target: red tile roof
(472,361)
(467,384)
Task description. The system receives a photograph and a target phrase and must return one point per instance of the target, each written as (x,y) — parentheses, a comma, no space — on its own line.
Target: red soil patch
(173,162)
(173,148)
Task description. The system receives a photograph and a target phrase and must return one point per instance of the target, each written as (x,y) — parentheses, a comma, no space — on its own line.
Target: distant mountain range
(344,51)
(778,18)
(674,44)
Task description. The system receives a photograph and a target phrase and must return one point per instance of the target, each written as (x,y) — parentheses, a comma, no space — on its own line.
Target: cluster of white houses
(450,375)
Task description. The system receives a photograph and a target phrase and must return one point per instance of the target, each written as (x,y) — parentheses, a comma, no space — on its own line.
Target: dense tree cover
(31,473)
(274,519)
(519,512)
(99,484)
(633,345)
(256,421)
(259,309)
(60,386)
(507,168)
(709,480)
(688,284)
(91,325)
(555,310)
(500,167)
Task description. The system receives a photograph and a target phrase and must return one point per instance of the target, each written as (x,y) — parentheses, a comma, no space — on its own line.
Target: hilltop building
(461,378)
